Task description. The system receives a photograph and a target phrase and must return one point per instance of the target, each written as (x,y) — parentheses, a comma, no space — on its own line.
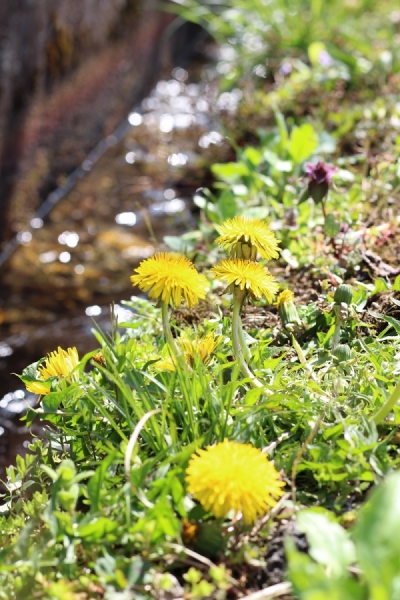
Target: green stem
(174,349)
(387,407)
(338,323)
(243,344)
(237,348)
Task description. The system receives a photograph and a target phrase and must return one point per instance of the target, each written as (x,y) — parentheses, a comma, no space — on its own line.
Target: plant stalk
(237,347)
(338,326)
(173,347)
(243,344)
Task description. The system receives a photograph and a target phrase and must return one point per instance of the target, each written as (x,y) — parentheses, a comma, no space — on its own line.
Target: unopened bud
(343,294)
(342,353)
(287,310)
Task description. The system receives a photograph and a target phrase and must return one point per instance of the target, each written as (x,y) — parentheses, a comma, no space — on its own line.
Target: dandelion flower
(287,310)
(201,347)
(247,275)
(284,297)
(170,277)
(233,476)
(59,364)
(35,387)
(244,237)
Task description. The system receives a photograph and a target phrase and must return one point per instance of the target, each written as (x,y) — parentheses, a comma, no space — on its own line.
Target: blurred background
(102,106)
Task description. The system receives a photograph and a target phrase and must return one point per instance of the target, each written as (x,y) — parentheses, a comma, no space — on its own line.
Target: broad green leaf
(227,206)
(377,540)
(330,544)
(230,172)
(310,580)
(98,530)
(303,141)
(52,401)
(253,156)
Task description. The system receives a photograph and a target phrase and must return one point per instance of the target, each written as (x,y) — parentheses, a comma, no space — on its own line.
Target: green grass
(95,512)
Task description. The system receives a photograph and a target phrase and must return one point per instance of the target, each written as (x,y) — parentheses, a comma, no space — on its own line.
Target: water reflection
(5,349)
(69,238)
(64,257)
(126,218)
(93,311)
(135,119)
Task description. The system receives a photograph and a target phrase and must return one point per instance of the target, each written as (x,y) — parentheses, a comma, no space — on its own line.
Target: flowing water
(82,245)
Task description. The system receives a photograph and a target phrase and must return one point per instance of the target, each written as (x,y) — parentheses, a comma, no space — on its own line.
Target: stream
(78,253)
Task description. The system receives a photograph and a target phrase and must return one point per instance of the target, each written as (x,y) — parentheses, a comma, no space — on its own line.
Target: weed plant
(177,449)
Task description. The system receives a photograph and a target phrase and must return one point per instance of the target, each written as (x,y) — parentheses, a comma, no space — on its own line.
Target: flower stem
(338,323)
(387,407)
(174,349)
(243,344)
(237,348)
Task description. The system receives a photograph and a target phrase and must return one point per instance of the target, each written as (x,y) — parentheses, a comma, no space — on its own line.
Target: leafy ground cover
(238,436)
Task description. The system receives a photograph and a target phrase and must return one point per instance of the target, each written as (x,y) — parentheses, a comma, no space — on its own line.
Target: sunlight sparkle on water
(64,257)
(69,238)
(24,237)
(93,311)
(48,257)
(5,349)
(169,194)
(170,207)
(130,158)
(135,119)
(36,223)
(14,402)
(177,159)
(166,123)
(126,218)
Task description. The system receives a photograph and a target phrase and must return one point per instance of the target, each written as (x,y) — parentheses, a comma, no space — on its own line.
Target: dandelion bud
(287,310)
(342,353)
(209,540)
(343,294)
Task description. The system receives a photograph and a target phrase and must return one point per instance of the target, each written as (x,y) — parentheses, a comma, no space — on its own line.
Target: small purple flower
(320,178)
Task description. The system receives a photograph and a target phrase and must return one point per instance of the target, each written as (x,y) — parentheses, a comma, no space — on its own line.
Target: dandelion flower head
(170,277)
(233,476)
(59,364)
(201,347)
(245,237)
(284,297)
(247,275)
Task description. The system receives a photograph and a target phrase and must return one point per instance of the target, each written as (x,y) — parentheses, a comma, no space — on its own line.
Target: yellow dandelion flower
(170,277)
(247,275)
(35,387)
(201,346)
(284,297)
(59,364)
(233,476)
(244,237)
(165,364)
